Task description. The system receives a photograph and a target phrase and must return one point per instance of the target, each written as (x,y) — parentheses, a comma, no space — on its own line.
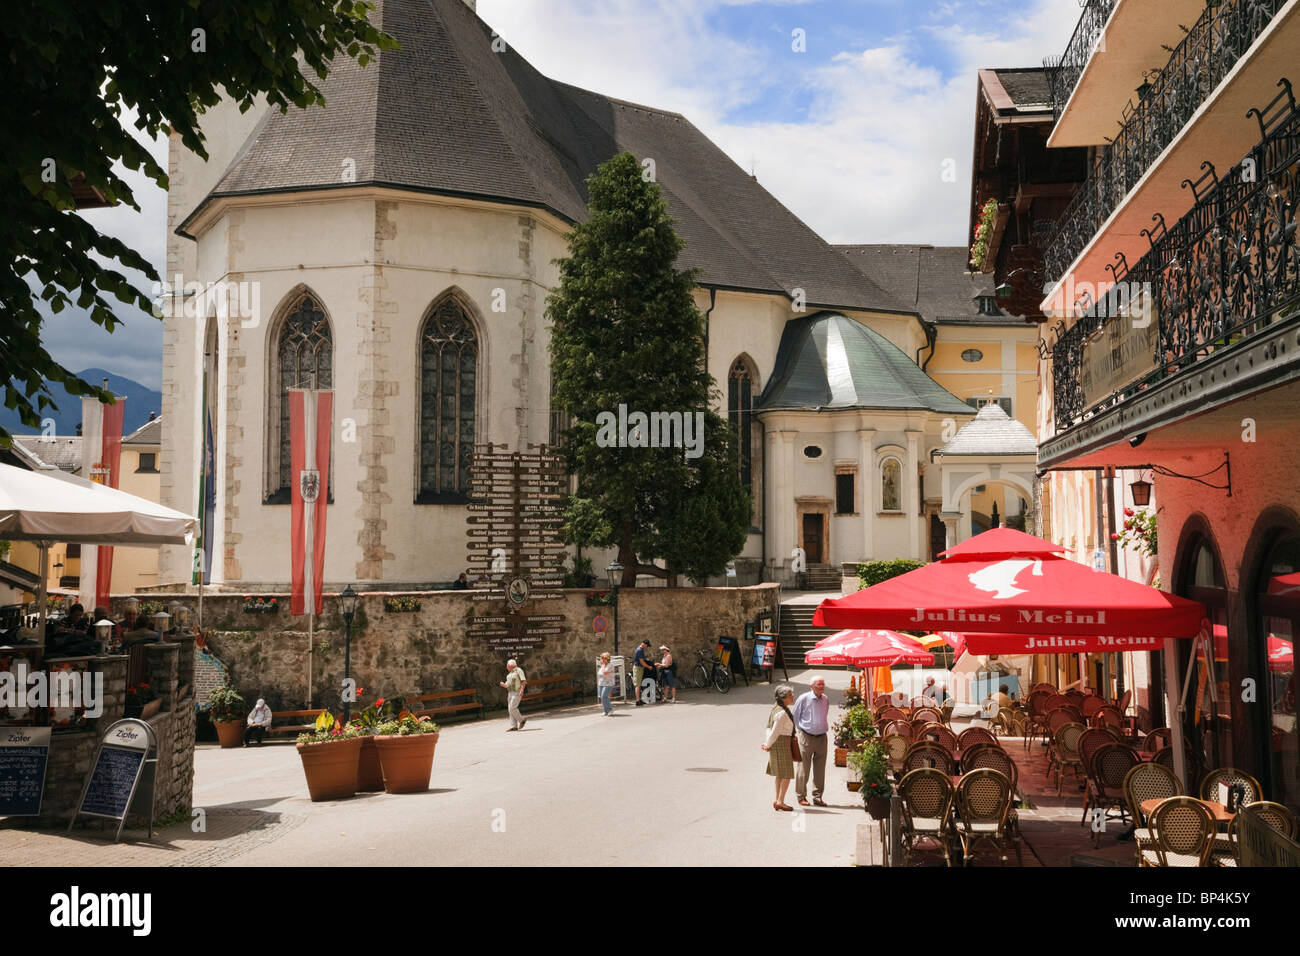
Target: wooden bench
(543,689)
(294,727)
(446,703)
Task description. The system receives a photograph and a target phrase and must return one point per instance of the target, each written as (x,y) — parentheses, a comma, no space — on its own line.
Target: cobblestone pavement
(229,832)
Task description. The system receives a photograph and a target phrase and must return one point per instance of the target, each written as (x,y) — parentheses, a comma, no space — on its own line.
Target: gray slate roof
(446,114)
(932,280)
(829,361)
(150,433)
(1027,87)
(992,432)
(63,452)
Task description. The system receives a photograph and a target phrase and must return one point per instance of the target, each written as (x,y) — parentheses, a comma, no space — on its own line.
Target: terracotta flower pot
(151,708)
(407,762)
(878,807)
(841,757)
(370,775)
(230,733)
(331,768)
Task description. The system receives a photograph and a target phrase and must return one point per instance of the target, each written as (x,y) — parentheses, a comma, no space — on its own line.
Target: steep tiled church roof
(829,361)
(447,114)
(934,281)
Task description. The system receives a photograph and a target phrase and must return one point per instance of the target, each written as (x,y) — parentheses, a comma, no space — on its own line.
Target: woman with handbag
(781,745)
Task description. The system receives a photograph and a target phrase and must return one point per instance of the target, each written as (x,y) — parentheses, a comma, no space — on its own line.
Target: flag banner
(111,460)
(310,425)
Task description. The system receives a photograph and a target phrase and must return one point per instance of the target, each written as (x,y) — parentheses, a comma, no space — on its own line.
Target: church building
(397,247)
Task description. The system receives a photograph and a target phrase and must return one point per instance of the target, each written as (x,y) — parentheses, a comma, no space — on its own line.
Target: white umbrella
(46,506)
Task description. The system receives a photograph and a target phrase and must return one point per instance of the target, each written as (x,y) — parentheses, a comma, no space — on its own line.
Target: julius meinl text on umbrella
(1023,616)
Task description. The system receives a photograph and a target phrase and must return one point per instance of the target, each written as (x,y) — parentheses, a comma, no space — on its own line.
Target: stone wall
(170,670)
(407,653)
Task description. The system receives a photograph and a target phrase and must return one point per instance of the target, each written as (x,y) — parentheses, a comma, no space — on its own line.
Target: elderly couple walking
(796,733)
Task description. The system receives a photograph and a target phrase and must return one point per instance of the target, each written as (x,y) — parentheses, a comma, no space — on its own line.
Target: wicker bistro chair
(1110,766)
(1108,715)
(917,702)
(1182,834)
(1157,739)
(1043,686)
(1090,706)
(1058,719)
(984,799)
(1076,696)
(1146,781)
(945,711)
(973,735)
(1230,776)
(1226,851)
(1165,757)
(882,701)
(896,747)
(1065,753)
(927,796)
(928,755)
(1117,735)
(982,756)
(927,713)
(900,727)
(939,734)
(1036,721)
(1054,701)
(1090,741)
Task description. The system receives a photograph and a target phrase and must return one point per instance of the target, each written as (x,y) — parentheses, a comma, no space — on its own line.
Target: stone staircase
(798,634)
(823,577)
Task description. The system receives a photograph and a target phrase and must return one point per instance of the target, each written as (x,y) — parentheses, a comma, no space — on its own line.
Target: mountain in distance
(140,401)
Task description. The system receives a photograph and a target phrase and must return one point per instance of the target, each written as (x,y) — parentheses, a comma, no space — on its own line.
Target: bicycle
(714,672)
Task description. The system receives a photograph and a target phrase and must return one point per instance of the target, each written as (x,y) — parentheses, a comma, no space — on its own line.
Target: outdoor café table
(1221,814)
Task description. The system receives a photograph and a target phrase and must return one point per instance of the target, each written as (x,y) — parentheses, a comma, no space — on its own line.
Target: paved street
(670,784)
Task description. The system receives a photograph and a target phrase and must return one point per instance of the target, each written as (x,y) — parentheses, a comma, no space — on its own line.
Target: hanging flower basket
(600,599)
(261,606)
(402,605)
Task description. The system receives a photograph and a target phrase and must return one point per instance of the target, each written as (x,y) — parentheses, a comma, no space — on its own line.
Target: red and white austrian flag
(311,415)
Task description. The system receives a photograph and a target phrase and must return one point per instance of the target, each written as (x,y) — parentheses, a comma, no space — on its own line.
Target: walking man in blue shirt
(810,721)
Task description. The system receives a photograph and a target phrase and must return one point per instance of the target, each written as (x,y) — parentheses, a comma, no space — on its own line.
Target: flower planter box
(370,775)
(407,761)
(151,708)
(878,807)
(842,753)
(230,733)
(855,785)
(401,605)
(331,768)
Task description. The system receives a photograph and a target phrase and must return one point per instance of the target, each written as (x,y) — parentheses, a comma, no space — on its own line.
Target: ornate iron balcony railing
(1219,38)
(1063,74)
(1220,275)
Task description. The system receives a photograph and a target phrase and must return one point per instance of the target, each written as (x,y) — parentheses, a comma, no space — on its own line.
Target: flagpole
(311,627)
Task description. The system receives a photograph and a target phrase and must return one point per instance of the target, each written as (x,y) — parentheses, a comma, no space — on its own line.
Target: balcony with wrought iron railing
(1225,275)
(1063,74)
(1197,66)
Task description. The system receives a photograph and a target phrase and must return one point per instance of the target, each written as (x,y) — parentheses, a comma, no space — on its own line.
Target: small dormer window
(987,305)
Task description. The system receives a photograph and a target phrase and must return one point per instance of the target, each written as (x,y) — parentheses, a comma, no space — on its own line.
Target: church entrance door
(812,538)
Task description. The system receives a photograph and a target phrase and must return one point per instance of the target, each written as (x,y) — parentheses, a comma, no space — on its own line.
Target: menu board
(24,753)
(112,781)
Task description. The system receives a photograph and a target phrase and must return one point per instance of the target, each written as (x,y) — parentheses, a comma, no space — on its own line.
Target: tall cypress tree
(625,331)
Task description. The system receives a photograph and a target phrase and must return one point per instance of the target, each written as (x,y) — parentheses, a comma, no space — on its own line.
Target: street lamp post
(348,604)
(615,571)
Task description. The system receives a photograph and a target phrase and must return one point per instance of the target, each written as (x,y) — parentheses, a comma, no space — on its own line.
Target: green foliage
(224,703)
(1139,532)
(979,249)
(405,726)
(626,332)
(576,577)
(328,729)
(873,572)
(381,711)
(854,725)
(872,766)
(78,78)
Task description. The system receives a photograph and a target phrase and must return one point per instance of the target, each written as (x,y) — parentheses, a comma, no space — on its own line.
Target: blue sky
(851,134)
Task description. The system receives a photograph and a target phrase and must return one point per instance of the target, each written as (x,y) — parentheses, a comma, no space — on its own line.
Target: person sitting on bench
(259,722)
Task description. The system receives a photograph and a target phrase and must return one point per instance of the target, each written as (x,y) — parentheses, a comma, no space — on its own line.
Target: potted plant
(331,756)
(406,747)
(229,714)
(871,765)
(853,727)
(370,775)
(142,701)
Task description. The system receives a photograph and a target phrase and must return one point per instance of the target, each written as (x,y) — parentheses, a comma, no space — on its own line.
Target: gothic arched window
(740,412)
(304,358)
(449,351)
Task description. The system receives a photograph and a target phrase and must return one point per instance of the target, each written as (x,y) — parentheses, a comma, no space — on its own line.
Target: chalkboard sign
(127,749)
(24,753)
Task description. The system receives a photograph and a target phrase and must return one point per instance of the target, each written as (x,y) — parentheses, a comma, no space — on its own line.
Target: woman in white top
(780,731)
(605,677)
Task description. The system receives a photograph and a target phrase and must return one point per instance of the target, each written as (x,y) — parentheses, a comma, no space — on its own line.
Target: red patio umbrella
(861,648)
(1007,582)
(1056,644)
